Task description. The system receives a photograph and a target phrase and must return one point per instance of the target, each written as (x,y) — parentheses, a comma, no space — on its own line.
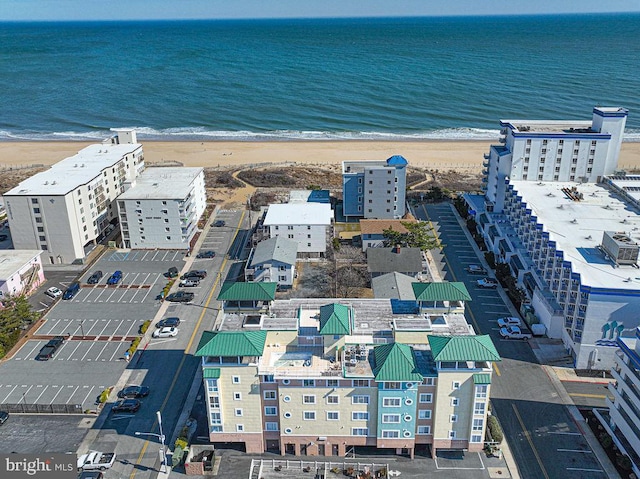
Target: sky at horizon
(70,10)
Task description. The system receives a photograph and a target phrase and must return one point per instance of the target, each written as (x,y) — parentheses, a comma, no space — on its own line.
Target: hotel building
(330,375)
(374,189)
(65,209)
(569,237)
(161,208)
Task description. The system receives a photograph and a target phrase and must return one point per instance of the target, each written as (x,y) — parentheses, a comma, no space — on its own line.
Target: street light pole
(81,327)
(163,452)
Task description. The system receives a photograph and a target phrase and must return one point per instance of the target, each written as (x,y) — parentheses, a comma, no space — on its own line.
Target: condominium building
(330,375)
(20,272)
(542,150)
(308,224)
(374,189)
(161,208)
(623,418)
(64,210)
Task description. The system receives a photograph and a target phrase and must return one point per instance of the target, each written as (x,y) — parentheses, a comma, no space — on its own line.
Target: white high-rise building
(162,207)
(542,150)
(64,210)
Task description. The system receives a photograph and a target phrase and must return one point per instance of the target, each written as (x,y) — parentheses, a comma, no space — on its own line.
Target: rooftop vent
(620,247)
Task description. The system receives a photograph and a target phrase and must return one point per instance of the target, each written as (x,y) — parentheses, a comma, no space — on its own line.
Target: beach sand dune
(442,155)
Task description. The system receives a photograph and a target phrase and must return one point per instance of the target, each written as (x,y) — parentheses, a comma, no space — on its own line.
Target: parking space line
(38,398)
(106,343)
(10,393)
(115,351)
(73,352)
(111,295)
(150,288)
(94,323)
(87,396)
(145,256)
(102,291)
(133,324)
(24,394)
(56,395)
(588,451)
(33,350)
(116,329)
(124,293)
(72,394)
(105,327)
(583,469)
(85,354)
(154,255)
(565,433)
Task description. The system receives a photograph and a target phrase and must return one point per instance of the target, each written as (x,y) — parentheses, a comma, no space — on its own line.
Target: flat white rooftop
(162,183)
(79,169)
(358,166)
(550,126)
(11,260)
(630,184)
(577,228)
(299,214)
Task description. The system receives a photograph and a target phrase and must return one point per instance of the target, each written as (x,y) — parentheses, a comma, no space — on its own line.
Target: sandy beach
(441,155)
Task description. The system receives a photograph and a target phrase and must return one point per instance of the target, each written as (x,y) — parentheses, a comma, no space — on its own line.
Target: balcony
(286,361)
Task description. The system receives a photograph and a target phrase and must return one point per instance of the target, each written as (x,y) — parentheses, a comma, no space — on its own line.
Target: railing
(24,408)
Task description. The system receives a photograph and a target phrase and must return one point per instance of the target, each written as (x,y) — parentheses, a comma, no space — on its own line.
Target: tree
(15,316)
(418,235)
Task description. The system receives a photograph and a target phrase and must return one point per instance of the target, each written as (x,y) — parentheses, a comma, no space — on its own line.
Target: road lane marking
(583,470)
(529,440)
(565,433)
(575,450)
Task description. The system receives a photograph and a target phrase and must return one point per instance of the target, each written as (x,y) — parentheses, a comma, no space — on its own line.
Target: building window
(38,220)
(360,416)
(427,381)
(452,434)
(238,412)
(424,430)
(360,383)
(40,229)
(333,383)
(268,378)
(391,402)
(269,395)
(393,385)
(424,413)
(476,438)
(455,385)
(454,401)
(212,385)
(165,212)
(235,379)
(391,434)
(309,383)
(309,415)
(478,408)
(309,399)
(478,424)
(43,238)
(36,210)
(239,427)
(333,416)
(359,399)
(359,431)
(34,201)
(426,397)
(237,396)
(270,411)
(391,418)
(290,236)
(453,418)
(333,399)
(271,426)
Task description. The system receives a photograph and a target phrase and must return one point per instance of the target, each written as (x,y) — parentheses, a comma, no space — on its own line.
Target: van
(71,291)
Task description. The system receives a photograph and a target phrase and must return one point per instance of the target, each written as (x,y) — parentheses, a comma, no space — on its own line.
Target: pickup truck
(513,332)
(96,460)
(487,283)
(49,350)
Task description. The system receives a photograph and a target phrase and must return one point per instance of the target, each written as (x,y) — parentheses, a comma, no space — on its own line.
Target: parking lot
(99,324)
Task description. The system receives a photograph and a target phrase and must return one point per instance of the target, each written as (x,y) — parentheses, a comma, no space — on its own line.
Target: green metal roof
(231,343)
(334,319)
(483,378)
(211,373)
(231,291)
(463,348)
(441,291)
(395,362)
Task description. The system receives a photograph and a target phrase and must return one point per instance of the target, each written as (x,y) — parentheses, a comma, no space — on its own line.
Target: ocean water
(448,78)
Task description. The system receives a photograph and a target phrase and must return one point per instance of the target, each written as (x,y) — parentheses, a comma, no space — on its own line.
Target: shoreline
(464,154)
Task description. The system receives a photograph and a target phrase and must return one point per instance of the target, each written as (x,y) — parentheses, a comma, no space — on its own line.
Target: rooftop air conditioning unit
(620,247)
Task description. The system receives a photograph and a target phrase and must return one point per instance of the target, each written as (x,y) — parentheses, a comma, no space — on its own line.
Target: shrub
(134,346)
(624,462)
(606,440)
(181,443)
(335,242)
(145,326)
(490,258)
(494,429)
(104,395)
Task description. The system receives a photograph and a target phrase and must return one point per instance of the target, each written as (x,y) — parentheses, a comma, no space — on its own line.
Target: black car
(90,475)
(4,415)
(126,405)
(95,277)
(134,392)
(172,273)
(168,323)
(194,273)
(219,223)
(46,353)
(206,254)
(180,297)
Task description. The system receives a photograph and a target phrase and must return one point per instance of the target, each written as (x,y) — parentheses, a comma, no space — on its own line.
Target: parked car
(126,405)
(91,475)
(513,332)
(194,273)
(206,254)
(168,323)
(49,350)
(509,321)
(53,292)
(96,460)
(475,269)
(115,277)
(134,392)
(172,272)
(95,277)
(219,223)
(487,283)
(165,333)
(71,291)
(55,342)
(180,297)
(186,283)
(4,415)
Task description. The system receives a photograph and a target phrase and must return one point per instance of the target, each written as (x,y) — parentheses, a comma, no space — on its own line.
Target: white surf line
(87,396)
(10,392)
(72,394)
(56,395)
(40,395)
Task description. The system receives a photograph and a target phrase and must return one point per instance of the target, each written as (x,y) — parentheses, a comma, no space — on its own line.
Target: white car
(513,332)
(165,332)
(186,283)
(509,321)
(53,292)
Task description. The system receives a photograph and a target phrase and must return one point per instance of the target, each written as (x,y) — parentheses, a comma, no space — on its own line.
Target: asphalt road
(543,437)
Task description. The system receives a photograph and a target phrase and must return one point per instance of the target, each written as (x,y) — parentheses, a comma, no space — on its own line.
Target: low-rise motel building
(318,377)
